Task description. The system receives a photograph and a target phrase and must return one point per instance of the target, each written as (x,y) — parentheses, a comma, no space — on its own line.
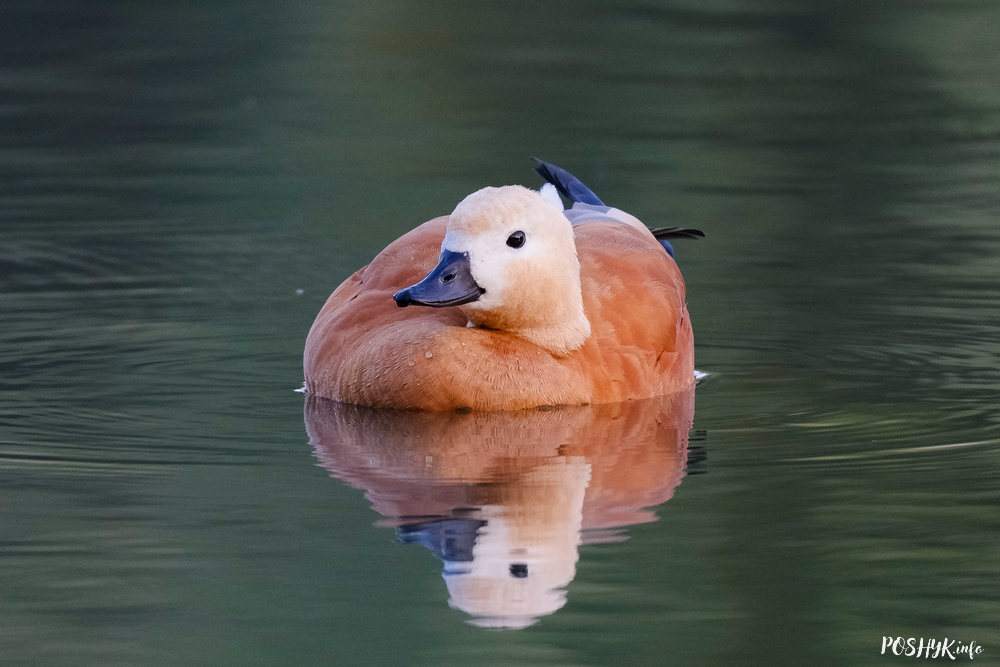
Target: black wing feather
(568,185)
(677,233)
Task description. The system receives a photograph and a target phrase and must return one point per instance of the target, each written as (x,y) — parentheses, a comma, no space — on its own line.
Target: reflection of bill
(504,499)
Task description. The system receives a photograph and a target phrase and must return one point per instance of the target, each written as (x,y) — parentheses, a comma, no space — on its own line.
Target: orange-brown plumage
(364,349)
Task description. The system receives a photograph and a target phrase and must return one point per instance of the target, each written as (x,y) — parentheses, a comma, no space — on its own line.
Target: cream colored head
(522,253)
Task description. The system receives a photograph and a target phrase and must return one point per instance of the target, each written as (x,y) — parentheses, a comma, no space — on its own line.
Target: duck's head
(508,260)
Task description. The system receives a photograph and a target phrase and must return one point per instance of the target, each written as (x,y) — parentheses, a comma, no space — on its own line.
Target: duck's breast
(359,338)
(364,349)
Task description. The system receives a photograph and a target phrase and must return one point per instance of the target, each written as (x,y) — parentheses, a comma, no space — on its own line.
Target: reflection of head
(525,554)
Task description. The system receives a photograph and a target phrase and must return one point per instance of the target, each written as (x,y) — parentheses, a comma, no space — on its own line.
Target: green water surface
(182,184)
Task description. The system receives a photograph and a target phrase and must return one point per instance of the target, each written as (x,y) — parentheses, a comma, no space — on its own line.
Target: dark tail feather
(677,233)
(664,233)
(567,184)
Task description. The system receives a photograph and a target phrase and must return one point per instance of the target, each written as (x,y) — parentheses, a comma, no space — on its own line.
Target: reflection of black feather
(568,185)
(697,455)
(448,539)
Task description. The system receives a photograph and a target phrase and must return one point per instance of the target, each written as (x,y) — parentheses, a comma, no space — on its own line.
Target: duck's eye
(518,570)
(516,240)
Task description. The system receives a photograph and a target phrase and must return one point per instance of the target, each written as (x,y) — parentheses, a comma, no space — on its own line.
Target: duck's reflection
(505,499)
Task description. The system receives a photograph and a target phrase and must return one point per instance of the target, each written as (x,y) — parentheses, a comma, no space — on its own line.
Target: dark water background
(182,184)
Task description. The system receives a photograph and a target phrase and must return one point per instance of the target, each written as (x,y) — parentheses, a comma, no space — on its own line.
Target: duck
(511,302)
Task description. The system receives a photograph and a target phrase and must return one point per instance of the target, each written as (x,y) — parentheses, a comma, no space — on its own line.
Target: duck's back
(363,349)
(634,296)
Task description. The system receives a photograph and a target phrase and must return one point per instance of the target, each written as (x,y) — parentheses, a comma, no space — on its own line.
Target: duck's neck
(560,339)
(559,326)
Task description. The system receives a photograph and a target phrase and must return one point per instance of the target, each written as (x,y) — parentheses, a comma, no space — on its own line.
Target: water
(181,187)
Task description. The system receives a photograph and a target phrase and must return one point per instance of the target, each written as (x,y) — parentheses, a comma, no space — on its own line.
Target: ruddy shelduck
(529,305)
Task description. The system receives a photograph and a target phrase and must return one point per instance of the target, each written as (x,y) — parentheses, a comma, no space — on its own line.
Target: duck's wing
(568,185)
(588,207)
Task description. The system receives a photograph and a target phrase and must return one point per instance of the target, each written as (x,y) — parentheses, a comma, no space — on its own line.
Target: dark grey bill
(450,283)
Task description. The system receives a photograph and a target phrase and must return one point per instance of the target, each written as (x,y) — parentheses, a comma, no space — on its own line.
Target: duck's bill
(450,283)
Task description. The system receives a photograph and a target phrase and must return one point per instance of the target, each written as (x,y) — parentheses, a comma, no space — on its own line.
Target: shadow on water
(506,499)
